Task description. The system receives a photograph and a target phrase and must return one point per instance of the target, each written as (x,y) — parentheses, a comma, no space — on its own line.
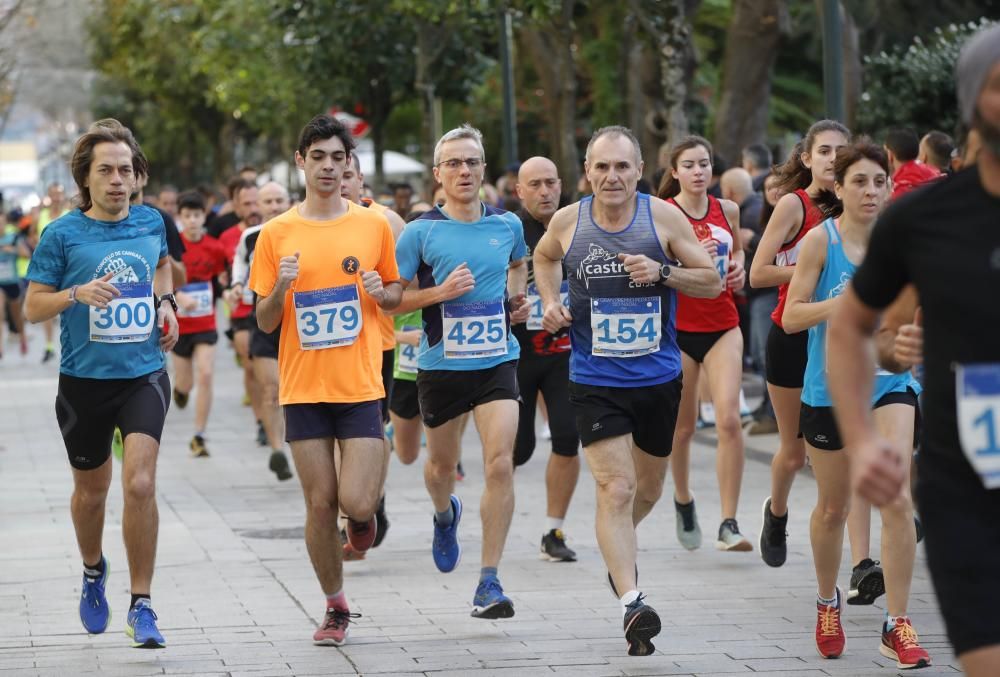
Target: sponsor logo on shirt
(351,265)
(599,264)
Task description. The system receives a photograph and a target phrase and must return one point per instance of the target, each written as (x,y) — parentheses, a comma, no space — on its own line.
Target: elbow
(265,322)
(30,313)
(791,323)
(756,277)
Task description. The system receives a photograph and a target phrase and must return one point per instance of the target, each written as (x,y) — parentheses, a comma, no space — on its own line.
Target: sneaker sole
(742,546)
(869,589)
(546,557)
(892,655)
(773,562)
(148,644)
(832,658)
(643,628)
(329,642)
(494,611)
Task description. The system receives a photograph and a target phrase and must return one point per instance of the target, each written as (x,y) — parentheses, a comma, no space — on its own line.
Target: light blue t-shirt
(473,331)
(74,249)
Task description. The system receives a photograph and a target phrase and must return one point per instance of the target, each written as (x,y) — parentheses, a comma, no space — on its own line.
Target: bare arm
(458,282)
(786,219)
(801,312)
(895,343)
(43,302)
(697,277)
(178,273)
(547,263)
(270,308)
(517,278)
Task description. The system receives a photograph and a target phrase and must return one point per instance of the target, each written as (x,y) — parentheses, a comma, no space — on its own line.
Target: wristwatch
(665,272)
(167,297)
(72,293)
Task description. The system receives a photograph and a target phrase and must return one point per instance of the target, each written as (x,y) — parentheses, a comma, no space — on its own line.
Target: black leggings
(550,376)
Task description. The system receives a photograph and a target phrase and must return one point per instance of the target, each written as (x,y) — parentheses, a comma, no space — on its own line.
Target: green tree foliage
(915,85)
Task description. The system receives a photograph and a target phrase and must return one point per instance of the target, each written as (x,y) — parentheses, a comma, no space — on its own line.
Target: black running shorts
(89,409)
(263,344)
(696,344)
(186,342)
(786,357)
(404,402)
(342,421)
(445,395)
(243,323)
(819,426)
(648,413)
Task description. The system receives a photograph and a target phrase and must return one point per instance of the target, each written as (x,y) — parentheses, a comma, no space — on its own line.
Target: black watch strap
(167,297)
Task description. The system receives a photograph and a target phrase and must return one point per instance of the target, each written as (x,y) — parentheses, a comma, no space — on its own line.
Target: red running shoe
(830,637)
(333,631)
(902,645)
(361,535)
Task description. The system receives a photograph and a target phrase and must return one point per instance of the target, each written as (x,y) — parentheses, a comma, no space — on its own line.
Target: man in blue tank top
(460,254)
(104,269)
(621,249)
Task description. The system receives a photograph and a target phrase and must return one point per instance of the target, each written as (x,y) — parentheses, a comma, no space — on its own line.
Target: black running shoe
(261,435)
(773,537)
(642,624)
(867,583)
(382,521)
(47,355)
(554,548)
(279,465)
(180,399)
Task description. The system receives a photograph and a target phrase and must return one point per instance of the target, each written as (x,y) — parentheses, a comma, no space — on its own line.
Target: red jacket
(912,175)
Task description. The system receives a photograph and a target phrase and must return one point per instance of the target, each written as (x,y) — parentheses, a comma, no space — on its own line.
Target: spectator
(903,146)
(757,160)
(402,197)
(935,150)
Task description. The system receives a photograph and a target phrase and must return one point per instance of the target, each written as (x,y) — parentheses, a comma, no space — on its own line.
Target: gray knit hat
(979,55)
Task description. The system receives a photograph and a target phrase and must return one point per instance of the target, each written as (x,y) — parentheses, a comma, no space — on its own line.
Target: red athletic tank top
(789,252)
(718,314)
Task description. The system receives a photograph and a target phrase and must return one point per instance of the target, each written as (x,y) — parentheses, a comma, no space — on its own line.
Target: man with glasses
(468,355)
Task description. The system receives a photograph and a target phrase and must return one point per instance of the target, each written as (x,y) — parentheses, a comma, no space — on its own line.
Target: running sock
(487,572)
(553,523)
(199,433)
(135,599)
(446,517)
(827,602)
(627,599)
(890,621)
(337,600)
(94,570)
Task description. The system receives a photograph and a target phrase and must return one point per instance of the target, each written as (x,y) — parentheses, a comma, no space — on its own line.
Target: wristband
(72,293)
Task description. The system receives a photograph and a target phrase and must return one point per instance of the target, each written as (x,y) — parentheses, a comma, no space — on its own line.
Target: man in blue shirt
(104,269)
(460,255)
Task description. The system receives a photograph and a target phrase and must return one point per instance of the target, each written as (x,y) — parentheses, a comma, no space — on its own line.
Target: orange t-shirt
(331,256)
(386,323)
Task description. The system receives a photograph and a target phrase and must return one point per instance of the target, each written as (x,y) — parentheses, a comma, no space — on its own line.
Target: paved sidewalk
(236,595)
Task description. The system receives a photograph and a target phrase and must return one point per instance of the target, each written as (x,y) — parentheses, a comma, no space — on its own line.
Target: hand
(186,301)
(234,295)
(641,268)
(372,282)
(98,292)
(556,317)
(167,324)
(736,277)
(459,281)
(877,471)
(710,245)
(520,309)
(288,271)
(908,348)
(410,338)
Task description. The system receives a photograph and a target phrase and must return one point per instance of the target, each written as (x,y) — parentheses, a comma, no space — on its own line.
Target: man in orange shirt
(324,270)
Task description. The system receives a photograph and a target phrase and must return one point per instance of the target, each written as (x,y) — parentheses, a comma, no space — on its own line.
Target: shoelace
(93,600)
(687,515)
(144,616)
(636,603)
(734,528)
(338,618)
(905,634)
(829,621)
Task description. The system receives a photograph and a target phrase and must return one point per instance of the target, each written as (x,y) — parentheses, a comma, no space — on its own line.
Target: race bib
(474,329)
(201,292)
(128,318)
(408,355)
(977,393)
(625,327)
(8,269)
(722,259)
(328,318)
(537,311)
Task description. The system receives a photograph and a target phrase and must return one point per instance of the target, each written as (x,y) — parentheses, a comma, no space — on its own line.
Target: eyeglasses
(473,163)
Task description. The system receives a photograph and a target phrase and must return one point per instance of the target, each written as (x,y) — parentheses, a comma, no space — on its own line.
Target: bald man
(272,200)
(544,367)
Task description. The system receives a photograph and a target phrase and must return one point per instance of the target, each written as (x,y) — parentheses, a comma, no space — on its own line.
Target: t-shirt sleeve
(520,249)
(408,251)
(387,267)
(264,269)
(48,262)
(882,275)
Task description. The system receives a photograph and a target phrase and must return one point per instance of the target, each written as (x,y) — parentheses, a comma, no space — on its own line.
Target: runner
(104,269)
(57,207)
(620,248)
(468,356)
(807,172)
(318,271)
(708,334)
(916,242)
(13,244)
(194,354)
(273,201)
(827,260)
(902,145)
(544,367)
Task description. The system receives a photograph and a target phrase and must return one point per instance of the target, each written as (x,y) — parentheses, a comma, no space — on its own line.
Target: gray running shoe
(730,538)
(867,583)
(688,531)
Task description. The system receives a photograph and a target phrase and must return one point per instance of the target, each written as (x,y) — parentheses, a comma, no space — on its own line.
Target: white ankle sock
(627,599)
(553,523)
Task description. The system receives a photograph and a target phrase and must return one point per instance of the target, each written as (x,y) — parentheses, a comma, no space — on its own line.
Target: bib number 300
(474,330)
(128,318)
(977,392)
(625,327)
(328,318)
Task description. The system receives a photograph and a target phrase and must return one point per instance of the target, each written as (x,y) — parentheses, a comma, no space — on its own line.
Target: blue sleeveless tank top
(832,282)
(623,334)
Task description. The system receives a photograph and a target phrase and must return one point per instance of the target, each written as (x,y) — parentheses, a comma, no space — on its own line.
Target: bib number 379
(128,318)
(977,392)
(328,318)
(475,329)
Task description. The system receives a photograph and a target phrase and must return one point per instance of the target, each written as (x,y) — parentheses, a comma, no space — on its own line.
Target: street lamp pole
(833,60)
(507,69)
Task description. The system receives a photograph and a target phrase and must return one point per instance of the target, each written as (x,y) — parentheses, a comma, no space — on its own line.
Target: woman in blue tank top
(829,257)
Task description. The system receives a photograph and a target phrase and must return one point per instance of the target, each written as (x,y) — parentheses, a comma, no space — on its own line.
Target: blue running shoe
(446,549)
(490,602)
(141,627)
(95,614)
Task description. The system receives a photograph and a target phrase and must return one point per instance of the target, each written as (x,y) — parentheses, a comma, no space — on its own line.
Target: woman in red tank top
(807,172)
(709,337)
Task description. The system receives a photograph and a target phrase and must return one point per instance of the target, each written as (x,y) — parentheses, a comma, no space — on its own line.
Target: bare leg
(791,456)
(87,506)
(241,342)
(611,463)
(983,662)
(444,449)
(140,517)
(650,471)
(497,425)
(315,468)
(183,374)
(265,371)
(826,528)
(406,437)
(724,368)
(687,415)
(362,473)
(859,526)
(561,475)
(204,364)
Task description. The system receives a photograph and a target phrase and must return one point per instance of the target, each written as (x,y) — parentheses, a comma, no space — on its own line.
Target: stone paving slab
(236,595)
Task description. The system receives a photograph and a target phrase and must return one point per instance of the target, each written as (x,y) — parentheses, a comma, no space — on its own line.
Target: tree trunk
(852,65)
(751,48)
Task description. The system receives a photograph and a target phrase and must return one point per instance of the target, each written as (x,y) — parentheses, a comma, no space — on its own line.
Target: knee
(204,378)
(140,487)
(683,432)
(322,510)
(440,467)
(90,498)
(359,508)
(499,469)
(900,509)
(789,459)
(616,493)
(405,455)
(728,425)
(832,514)
(269,390)
(649,490)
